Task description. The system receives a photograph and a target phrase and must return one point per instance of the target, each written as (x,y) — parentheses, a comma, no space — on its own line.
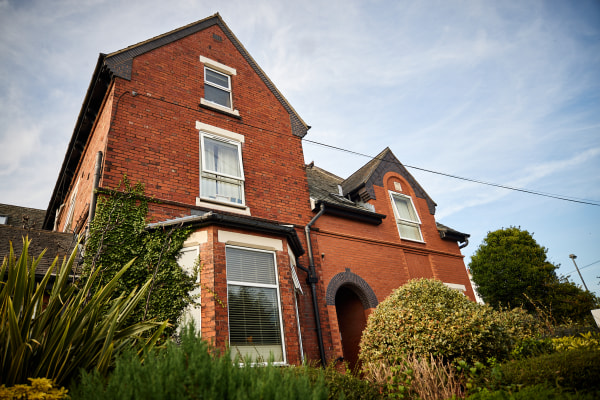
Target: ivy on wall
(118,234)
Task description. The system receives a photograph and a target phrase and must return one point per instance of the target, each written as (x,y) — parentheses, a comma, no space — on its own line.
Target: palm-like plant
(54,335)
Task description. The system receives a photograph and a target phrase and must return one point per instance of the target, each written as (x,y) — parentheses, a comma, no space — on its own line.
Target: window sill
(221,206)
(220,108)
(412,240)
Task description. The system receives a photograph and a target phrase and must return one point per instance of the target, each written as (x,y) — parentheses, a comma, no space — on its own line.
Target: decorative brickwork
(358,284)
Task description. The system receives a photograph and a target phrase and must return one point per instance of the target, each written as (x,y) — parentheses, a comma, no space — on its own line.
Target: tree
(118,235)
(510,268)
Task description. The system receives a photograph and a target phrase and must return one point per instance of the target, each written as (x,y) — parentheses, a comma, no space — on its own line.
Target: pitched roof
(119,64)
(372,173)
(323,189)
(57,244)
(23,217)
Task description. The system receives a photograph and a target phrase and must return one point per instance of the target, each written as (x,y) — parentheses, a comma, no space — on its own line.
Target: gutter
(312,280)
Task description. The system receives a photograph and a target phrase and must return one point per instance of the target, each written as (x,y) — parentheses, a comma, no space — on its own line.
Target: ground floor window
(255,324)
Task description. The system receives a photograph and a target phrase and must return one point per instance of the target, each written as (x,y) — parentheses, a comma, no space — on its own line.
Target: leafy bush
(538,392)
(53,335)
(41,388)
(575,370)
(426,318)
(584,341)
(344,384)
(192,370)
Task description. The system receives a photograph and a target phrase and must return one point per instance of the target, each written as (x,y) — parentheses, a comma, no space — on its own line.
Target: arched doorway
(351,322)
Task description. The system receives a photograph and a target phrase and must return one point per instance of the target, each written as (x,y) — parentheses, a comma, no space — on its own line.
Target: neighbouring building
(298,256)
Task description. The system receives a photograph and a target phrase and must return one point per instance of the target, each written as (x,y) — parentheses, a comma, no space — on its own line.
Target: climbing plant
(119,234)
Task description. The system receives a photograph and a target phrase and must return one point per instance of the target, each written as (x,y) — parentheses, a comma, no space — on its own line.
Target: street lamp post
(573,257)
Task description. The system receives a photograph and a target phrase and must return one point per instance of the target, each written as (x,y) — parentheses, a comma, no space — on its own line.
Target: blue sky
(503,92)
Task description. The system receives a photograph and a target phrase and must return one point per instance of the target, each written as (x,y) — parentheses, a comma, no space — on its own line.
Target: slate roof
(23,217)
(119,64)
(56,244)
(323,188)
(372,174)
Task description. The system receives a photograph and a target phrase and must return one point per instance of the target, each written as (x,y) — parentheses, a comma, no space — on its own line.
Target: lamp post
(573,257)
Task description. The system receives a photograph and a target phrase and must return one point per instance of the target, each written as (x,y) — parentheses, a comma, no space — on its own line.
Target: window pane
(408,231)
(221,157)
(217,95)
(187,260)
(250,266)
(405,209)
(221,189)
(254,328)
(217,78)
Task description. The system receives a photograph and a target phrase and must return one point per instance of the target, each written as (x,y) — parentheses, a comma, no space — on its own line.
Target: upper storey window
(407,219)
(217,86)
(222,172)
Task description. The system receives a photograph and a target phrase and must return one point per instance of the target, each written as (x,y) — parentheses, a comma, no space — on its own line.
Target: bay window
(255,324)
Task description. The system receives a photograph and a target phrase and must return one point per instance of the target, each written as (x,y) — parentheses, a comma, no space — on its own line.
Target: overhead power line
(529,191)
(580,268)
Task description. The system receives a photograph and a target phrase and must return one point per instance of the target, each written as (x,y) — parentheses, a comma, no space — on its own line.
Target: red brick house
(299,255)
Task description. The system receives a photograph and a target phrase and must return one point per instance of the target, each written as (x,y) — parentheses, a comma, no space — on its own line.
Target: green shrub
(41,388)
(345,385)
(425,317)
(538,392)
(53,335)
(575,370)
(586,341)
(192,370)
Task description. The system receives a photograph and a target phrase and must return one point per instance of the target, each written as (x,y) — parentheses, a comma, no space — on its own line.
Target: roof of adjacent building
(23,217)
(56,244)
(119,64)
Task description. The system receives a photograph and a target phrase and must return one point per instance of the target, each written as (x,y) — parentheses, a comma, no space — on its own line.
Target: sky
(503,92)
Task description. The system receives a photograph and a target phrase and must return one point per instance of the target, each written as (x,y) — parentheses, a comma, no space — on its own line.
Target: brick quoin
(144,123)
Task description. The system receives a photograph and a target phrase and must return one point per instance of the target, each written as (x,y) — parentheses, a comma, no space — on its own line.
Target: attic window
(407,219)
(217,86)
(3,219)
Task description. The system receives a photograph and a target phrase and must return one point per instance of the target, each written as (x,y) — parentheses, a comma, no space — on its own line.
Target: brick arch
(360,286)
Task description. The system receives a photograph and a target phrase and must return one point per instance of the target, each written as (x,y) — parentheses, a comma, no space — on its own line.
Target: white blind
(250,266)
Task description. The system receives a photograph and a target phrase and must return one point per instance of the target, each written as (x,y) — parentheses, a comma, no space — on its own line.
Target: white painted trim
(201,126)
(456,286)
(252,241)
(196,238)
(219,107)
(218,66)
(229,207)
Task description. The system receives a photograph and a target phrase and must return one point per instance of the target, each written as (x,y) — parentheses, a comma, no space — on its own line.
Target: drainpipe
(312,281)
(465,244)
(94,194)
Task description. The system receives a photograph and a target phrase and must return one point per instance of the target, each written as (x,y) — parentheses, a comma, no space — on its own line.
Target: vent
(217,38)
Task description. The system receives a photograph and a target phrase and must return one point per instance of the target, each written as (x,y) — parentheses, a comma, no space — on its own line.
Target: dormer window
(407,219)
(217,86)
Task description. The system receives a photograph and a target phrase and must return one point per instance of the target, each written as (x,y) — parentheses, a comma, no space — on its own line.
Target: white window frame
(268,286)
(3,219)
(71,212)
(204,170)
(402,221)
(226,71)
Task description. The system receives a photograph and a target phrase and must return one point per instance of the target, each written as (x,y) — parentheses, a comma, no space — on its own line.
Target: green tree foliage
(118,235)
(51,329)
(424,317)
(510,269)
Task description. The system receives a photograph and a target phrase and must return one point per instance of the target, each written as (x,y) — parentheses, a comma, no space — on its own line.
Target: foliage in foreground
(192,370)
(53,335)
(537,392)
(118,234)
(40,388)
(424,317)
